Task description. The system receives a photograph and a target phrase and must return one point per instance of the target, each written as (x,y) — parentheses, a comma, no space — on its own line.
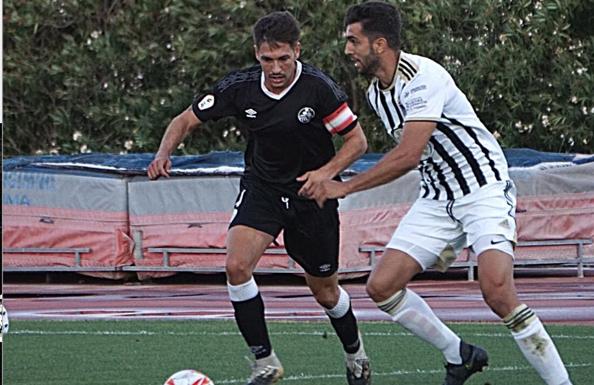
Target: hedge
(107,76)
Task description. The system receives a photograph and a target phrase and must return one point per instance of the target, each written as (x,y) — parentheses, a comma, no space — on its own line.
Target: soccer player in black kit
(291,110)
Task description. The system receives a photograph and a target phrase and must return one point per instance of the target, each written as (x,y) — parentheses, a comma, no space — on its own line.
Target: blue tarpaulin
(230,163)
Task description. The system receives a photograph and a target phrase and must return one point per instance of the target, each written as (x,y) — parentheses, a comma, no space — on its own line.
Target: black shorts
(311,234)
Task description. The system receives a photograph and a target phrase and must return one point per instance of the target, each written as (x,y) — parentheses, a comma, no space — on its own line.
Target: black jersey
(289,133)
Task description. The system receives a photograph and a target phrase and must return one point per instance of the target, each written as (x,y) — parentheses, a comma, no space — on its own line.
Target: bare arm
(397,162)
(178,129)
(355,145)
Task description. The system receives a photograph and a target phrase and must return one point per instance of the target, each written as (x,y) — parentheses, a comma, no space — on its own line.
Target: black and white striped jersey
(462,155)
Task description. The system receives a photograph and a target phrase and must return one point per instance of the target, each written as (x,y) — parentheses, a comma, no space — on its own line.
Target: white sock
(413,313)
(342,306)
(537,346)
(243,291)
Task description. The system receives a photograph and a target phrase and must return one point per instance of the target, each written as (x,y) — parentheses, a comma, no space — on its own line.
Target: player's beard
(370,65)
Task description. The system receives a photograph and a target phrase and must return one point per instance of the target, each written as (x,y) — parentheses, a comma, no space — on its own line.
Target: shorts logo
(324,268)
(306,114)
(206,102)
(251,113)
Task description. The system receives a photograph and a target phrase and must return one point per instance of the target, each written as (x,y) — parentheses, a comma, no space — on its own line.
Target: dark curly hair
(276,27)
(378,19)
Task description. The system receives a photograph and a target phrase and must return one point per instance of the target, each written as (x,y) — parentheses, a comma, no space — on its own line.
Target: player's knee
(238,270)
(378,290)
(326,296)
(495,284)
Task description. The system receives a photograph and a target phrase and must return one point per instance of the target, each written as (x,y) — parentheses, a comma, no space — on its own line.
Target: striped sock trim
(520,318)
(392,304)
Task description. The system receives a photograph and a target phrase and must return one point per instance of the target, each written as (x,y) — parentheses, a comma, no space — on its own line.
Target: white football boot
(357,366)
(266,371)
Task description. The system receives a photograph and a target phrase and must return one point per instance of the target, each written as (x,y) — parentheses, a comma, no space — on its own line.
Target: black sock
(249,316)
(346,329)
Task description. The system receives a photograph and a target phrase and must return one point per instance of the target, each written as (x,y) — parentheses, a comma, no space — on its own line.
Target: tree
(107,76)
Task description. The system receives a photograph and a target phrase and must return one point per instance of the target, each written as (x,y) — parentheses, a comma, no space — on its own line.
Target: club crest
(306,114)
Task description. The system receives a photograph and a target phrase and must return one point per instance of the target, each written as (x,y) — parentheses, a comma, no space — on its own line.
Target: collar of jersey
(396,73)
(280,96)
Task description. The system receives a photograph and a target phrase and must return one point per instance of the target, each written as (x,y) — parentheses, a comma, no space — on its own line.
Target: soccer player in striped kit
(291,110)
(466,198)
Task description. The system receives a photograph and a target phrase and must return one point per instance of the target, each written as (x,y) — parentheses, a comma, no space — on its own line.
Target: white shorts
(434,232)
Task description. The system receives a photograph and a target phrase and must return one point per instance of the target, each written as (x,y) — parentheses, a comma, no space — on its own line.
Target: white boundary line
(398,373)
(233,333)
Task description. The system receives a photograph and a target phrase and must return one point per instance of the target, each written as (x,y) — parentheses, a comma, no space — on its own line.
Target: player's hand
(312,181)
(160,166)
(329,189)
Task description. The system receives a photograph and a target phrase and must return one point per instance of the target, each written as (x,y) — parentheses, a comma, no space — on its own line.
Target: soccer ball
(4,316)
(188,377)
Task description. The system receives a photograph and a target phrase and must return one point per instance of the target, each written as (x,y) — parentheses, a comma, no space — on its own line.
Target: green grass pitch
(147,352)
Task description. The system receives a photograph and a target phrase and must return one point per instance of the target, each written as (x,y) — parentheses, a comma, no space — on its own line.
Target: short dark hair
(276,27)
(378,19)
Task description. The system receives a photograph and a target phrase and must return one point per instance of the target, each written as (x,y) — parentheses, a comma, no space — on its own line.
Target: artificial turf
(147,352)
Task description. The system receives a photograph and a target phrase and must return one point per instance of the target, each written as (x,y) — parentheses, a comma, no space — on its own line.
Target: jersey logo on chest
(306,114)
(251,113)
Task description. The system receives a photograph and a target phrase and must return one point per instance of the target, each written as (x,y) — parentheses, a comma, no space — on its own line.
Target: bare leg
(497,284)
(495,270)
(244,249)
(337,303)
(387,287)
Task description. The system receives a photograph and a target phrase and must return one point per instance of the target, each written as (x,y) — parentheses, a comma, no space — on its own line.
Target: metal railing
(372,251)
(77,252)
(167,253)
(471,263)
